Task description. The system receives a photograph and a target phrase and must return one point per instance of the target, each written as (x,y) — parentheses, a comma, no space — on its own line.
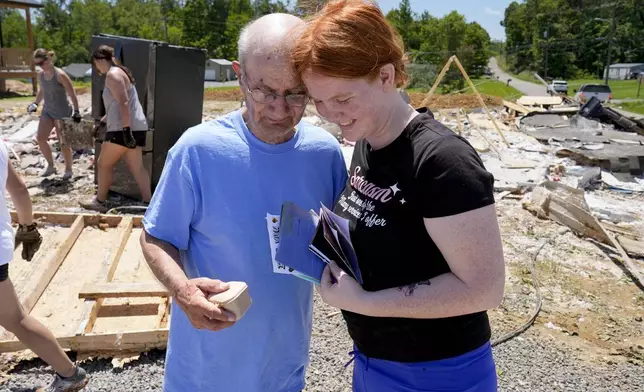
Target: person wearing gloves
(55,86)
(126,127)
(13,318)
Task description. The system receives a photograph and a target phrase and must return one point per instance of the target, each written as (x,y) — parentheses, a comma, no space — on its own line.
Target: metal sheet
(178,98)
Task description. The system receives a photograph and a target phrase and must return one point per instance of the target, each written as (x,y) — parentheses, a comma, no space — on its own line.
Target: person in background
(126,127)
(55,86)
(28,330)
(214,218)
(422,216)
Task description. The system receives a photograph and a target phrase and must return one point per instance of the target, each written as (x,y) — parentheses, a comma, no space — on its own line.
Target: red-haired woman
(421,210)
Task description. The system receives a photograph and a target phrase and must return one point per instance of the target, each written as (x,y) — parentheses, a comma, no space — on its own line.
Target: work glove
(76,116)
(32,107)
(30,239)
(99,126)
(128,138)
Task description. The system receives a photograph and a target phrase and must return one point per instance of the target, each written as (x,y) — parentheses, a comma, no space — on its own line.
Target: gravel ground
(530,362)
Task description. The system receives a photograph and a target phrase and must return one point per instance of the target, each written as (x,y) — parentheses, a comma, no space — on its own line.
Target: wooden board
(122,290)
(97,253)
(527,100)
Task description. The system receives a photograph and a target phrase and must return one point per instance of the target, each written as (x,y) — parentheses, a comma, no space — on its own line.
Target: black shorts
(116,137)
(4,272)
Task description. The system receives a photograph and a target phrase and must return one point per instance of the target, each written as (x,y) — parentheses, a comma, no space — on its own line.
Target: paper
(303,242)
(297,228)
(273,224)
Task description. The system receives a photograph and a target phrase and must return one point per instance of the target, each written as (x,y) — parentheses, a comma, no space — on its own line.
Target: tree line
(571,38)
(67,26)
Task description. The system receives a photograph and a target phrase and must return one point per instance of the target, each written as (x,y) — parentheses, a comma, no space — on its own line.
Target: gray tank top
(138,122)
(55,97)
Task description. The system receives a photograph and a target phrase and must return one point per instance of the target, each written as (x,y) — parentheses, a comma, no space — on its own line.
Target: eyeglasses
(261,96)
(41,62)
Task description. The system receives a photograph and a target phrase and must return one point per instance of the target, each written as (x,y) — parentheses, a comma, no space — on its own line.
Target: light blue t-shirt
(218,201)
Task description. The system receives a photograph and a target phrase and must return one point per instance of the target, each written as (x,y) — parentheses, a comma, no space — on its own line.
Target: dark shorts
(116,137)
(46,113)
(4,272)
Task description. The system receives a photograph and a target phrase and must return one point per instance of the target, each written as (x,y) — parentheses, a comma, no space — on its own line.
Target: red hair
(349,39)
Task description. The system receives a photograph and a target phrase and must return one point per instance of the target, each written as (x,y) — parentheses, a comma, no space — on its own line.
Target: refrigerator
(170,84)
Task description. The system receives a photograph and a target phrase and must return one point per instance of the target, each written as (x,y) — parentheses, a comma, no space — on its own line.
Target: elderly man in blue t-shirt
(211,221)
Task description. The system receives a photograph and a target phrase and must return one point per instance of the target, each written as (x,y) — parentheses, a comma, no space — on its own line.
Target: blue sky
(487,13)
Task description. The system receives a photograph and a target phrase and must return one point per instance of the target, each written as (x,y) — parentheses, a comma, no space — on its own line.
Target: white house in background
(624,71)
(219,70)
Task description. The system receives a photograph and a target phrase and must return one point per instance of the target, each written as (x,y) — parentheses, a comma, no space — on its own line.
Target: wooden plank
(437,82)
(632,247)
(66,218)
(583,222)
(17,74)
(120,341)
(108,269)
(122,290)
(518,108)
(128,310)
(478,95)
(32,291)
(55,218)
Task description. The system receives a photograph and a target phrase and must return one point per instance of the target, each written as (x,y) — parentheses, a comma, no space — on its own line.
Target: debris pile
(464,101)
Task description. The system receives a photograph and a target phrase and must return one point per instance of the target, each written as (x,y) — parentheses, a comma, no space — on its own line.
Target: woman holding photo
(421,210)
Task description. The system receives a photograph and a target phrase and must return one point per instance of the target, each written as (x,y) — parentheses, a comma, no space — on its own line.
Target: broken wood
(520,108)
(437,82)
(478,95)
(632,247)
(489,143)
(98,291)
(566,206)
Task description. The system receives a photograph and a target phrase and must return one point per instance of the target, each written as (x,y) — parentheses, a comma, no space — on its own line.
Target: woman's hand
(340,290)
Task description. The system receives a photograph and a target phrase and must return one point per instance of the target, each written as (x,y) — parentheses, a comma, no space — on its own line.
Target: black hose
(128,209)
(539,301)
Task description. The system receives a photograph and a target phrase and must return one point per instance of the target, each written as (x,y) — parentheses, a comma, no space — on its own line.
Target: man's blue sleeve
(172,207)
(340,175)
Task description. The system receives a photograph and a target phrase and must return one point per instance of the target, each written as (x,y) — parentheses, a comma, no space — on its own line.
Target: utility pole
(545,72)
(610,41)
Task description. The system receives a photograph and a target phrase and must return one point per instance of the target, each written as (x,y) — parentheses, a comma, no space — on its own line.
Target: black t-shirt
(427,172)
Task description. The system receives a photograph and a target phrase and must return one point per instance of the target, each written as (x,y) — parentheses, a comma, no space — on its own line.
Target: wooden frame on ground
(96,289)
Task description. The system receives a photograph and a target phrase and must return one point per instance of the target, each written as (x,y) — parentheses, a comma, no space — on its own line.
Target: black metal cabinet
(170,83)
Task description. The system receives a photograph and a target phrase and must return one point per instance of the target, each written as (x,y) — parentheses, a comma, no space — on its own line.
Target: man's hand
(192,298)
(340,290)
(30,239)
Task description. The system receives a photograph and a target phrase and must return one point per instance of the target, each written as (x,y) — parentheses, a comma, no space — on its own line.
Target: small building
(219,70)
(18,63)
(624,71)
(79,71)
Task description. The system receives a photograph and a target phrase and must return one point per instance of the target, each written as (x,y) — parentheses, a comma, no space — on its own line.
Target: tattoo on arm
(409,289)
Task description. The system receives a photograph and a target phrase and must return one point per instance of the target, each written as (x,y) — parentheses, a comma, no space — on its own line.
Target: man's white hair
(267,35)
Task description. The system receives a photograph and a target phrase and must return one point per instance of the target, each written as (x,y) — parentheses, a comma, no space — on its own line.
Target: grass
(222,88)
(622,89)
(483,86)
(634,107)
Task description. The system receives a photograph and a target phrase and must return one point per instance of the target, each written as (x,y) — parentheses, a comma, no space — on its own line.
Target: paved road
(525,87)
